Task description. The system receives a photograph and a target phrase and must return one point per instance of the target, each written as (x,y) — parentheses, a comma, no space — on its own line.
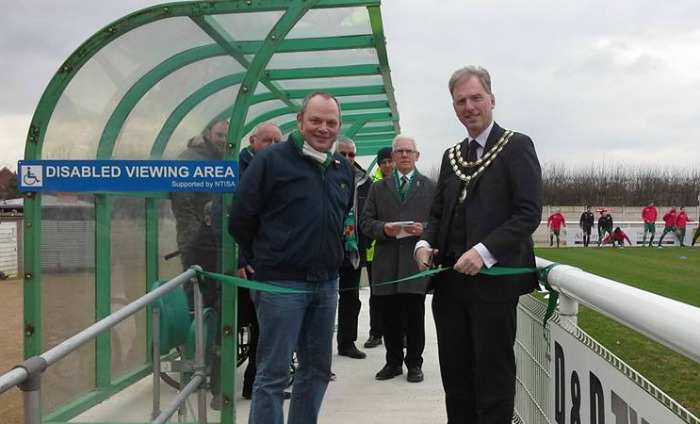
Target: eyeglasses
(349,154)
(402,152)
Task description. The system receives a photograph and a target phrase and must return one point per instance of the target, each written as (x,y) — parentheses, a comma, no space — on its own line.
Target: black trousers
(375,308)
(404,312)
(475,346)
(349,305)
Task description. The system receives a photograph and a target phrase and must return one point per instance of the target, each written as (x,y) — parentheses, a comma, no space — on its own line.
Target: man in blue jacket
(288,216)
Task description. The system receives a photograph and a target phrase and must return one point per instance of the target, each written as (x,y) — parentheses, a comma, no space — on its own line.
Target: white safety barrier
(572,378)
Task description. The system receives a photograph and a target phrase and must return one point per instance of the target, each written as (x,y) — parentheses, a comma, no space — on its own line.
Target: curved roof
(144,85)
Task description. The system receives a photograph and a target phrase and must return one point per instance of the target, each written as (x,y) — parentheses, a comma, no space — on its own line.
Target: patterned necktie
(403,187)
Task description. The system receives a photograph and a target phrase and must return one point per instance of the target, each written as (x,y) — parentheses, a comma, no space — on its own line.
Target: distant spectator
(187,207)
(555,222)
(605,225)
(670,222)
(681,223)
(586,224)
(617,237)
(697,233)
(386,165)
(649,215)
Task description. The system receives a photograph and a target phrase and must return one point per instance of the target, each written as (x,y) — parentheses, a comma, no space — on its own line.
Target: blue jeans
(303,322)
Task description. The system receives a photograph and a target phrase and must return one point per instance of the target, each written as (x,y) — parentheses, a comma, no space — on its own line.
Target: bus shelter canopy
(144,85)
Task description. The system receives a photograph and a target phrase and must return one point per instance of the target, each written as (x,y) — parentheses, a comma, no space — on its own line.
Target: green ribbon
(543,275)
(249,284)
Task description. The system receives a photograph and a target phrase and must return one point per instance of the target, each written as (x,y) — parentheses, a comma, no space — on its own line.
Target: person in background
(605,225)
(288,216)
(385,168)
(617,237)
(555,222)
(681,224)
(697,233)
(670,221)
(487,205)
(586,224)
(649,215)
(403,197)
(349,303)
(187,207)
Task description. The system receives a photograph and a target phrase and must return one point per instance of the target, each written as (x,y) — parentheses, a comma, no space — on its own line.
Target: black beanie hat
(383,153)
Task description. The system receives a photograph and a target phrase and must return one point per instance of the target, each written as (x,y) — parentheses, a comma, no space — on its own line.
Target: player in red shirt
(670,220)
(617,236)
(681,223)
(554,223)
(649,215)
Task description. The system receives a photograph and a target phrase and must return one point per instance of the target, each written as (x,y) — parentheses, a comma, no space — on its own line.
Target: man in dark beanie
(385,163)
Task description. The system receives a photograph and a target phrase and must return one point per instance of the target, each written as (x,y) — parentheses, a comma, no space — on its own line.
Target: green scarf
(298,141)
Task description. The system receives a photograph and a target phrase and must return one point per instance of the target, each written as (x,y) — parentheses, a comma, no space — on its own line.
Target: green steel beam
(103,288)
(365,137)
(377,129)
(375,18)
(32,275)
(322,72)
(152,271)
(369,151)
(376,104)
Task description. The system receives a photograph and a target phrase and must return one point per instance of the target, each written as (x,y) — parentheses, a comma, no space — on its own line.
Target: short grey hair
(403,137)
(345,141)
(470,71)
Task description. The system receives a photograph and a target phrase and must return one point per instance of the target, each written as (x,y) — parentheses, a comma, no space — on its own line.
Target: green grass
(670,272)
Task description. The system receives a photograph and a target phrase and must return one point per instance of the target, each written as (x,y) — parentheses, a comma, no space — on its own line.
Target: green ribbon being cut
(543,274)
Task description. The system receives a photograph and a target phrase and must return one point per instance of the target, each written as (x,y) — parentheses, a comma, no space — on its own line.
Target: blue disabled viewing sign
(126,176)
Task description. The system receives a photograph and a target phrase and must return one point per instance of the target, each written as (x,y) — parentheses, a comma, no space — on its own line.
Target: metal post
(156,363)
(568,308)
(34,367)
(199,359)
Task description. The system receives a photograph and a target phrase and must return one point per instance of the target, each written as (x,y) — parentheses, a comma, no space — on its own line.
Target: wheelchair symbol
(30,178)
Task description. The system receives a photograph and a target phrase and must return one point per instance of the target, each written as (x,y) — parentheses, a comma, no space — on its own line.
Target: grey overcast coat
(393,258)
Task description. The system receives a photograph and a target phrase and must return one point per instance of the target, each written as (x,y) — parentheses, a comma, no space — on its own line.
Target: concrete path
(355,397)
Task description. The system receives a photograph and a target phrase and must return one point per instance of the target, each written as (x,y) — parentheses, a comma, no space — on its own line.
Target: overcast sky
(600,81)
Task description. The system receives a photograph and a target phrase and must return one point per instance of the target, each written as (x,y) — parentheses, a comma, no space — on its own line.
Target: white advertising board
(574,237)
(589,390)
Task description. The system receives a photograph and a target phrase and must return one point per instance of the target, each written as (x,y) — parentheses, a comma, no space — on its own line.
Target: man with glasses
(395,216)
(349,303)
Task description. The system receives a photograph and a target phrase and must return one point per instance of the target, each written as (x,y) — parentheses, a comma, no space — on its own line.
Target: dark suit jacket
(503,209)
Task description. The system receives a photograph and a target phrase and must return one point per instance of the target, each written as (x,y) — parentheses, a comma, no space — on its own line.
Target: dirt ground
(10,346)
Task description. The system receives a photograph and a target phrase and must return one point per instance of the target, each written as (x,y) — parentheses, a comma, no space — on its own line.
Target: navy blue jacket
(288,215)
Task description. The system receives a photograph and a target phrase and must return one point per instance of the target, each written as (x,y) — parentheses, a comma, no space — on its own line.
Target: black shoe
(389,372)
(352,352)
(373,342)
(333,376)
(415,375)
(287,395)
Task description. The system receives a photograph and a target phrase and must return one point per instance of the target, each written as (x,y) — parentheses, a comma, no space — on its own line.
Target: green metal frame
(356,117)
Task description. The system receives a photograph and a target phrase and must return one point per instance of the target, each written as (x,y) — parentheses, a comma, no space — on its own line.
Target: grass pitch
(672,272)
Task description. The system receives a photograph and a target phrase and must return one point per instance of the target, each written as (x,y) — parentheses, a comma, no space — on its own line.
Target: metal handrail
(671,323)
(27,375)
